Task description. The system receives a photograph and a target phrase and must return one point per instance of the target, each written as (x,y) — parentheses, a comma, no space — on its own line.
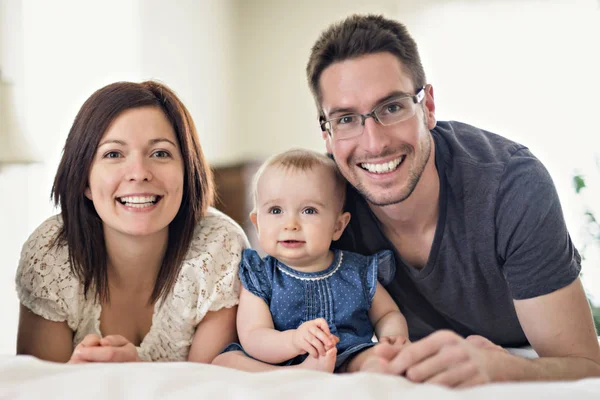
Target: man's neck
(133,261)
(419,212)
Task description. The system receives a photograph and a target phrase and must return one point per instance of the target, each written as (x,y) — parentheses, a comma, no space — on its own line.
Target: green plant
(591,234)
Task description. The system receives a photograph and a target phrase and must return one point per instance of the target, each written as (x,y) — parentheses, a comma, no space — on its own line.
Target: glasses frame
(326,124)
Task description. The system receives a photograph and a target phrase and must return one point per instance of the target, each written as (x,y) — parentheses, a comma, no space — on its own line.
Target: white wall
(190,46)
(275,106)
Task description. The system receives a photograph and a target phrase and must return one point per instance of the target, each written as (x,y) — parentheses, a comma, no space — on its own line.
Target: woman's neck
(134,261)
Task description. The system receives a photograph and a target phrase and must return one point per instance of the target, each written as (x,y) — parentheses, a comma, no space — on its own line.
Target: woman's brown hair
(82,228)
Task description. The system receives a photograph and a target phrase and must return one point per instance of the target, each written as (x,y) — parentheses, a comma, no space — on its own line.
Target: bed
(24,377)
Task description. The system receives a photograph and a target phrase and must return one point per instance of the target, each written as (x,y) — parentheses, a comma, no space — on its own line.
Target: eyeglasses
(388,113)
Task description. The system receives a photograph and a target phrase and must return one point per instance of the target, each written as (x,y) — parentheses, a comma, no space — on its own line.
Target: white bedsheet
(24,377)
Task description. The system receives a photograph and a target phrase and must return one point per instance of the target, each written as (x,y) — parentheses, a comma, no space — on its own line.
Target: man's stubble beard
(413,179)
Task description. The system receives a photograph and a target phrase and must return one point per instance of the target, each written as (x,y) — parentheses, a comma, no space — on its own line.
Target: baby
(306,305)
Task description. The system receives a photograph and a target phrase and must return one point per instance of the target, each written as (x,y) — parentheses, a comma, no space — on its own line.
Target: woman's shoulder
(216,231)
(42,243)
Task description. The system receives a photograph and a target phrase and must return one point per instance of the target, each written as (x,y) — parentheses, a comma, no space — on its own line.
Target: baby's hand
(313,337)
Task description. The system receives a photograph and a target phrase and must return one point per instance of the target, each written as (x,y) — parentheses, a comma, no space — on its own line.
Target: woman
(137,267)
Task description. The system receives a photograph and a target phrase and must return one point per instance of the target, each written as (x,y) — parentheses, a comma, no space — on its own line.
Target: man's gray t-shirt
(500,236)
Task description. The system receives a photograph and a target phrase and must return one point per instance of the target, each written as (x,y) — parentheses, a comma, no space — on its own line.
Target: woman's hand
(314,337)
(112,348)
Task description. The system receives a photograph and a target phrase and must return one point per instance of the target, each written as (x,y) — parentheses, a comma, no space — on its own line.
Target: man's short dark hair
(359,35)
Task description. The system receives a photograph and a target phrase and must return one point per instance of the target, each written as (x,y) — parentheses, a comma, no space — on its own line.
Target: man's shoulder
(460,143)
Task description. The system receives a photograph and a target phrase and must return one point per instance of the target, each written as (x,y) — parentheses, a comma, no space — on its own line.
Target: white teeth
(138,201)
(383,167)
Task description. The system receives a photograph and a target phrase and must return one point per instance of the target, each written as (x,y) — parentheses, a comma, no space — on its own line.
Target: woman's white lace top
(208,281)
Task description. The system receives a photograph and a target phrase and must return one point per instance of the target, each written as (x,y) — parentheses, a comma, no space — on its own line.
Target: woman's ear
(254,220)
(88,193)
(340,225)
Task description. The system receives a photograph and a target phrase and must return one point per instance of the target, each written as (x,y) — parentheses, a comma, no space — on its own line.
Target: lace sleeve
(44,281)
(215,256)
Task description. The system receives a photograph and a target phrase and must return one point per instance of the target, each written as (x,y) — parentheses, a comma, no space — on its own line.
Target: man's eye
(392,108)
(275,210)
(112,154)
(346,119)
(161,154)
(309,210)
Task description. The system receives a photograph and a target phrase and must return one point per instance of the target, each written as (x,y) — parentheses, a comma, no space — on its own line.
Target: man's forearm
(508,367)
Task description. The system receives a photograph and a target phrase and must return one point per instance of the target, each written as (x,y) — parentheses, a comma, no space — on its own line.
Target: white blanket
(23,377)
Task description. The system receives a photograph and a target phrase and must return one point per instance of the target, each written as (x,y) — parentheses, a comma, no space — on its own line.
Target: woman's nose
(138,169)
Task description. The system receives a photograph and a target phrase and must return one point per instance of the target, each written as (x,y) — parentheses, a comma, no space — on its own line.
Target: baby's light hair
(302,160)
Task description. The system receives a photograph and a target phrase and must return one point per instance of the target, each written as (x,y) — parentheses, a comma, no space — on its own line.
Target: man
(481,246)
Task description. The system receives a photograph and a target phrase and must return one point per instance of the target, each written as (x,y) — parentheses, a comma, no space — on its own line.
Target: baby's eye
(112,154)
(161,154)
(275,210)
(309,210)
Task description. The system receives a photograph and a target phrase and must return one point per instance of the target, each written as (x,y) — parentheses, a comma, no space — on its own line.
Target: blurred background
(528,70)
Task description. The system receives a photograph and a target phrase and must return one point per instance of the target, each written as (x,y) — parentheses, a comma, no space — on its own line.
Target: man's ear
(429,107)
(325,135)
(254,220)
(88,193)
(340,225)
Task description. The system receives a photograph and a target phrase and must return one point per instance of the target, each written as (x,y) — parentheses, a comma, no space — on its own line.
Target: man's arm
(560,328)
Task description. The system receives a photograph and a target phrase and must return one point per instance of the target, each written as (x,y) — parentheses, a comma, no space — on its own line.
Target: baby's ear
(340,225)
(254,220)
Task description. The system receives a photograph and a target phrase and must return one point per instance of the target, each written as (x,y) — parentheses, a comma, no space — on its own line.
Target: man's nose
(374,138)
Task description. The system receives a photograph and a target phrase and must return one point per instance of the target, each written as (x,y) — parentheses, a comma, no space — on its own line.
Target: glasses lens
(346,126)
(396,110)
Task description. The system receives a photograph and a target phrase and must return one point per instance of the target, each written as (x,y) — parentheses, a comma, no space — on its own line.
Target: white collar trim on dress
(317,278)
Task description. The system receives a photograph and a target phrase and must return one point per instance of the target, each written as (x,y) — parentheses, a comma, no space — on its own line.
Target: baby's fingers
(309,348)
(322,324)
(317,344)
(325,339)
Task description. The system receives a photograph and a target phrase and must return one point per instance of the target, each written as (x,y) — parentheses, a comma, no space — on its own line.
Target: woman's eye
(275,210)
(112,154)
(161,154)
(309,211)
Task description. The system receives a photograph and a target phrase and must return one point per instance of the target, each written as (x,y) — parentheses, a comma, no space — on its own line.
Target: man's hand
(442,358)
(313,337)
(112,348)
